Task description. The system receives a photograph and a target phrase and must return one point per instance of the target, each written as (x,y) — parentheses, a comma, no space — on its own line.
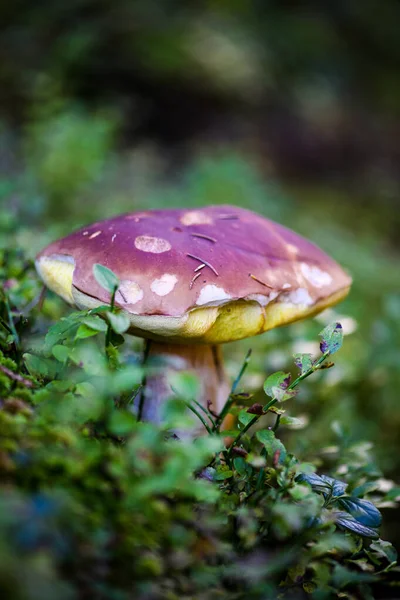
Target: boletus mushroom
(191,280)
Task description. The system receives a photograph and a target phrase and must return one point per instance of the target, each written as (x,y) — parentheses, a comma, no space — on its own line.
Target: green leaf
(332,338)
(61,331)
(271,443)
(60,352)
(59,385)
(221,475)
(346,521)
(362,510)
(185,385)
(344,576)
(293,422)
(44,368)
(95,322)
(105,277)
(126,379)
(338,487)
(116,339)
(90,358)
(364,488)
(84,332)
(315,481)
(174,413)
(304,362)
(276,384)
(85,389)
(384,549)
(240,465)
(121,423)
(119,321)
(245,417)
(393,494)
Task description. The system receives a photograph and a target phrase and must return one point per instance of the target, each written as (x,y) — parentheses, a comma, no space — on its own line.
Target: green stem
(200,416)
(231,398)
(277,421)
(11,322)
(146,353)
(109,328)
(206,412)
(272,402)
(261,475)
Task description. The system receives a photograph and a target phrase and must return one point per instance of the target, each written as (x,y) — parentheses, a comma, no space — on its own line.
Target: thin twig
(205,237)
(259,281)
(199,267)
(16,377)
(193,280)
(123,296)
(203,261)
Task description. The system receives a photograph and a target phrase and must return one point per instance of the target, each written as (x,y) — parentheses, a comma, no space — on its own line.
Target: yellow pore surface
(56,272)
(207,325)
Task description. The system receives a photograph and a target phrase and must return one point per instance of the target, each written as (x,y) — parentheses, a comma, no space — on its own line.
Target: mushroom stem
(162,360)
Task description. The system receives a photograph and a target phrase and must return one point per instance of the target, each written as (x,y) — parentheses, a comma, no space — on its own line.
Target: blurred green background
(289,109)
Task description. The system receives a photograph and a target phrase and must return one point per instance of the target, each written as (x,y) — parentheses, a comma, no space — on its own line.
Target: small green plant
(95,503)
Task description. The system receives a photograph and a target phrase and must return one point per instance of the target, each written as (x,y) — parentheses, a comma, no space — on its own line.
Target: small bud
(239,451)
(255,409)
(275,459)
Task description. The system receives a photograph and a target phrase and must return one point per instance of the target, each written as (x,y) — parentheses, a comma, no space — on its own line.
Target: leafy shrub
(96,504)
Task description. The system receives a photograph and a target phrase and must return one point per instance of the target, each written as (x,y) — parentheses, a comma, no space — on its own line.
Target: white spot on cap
(94,235)
(260,298)
(196,217)
(155,245)
(67,258)
(292,249)
(286,286)
(85,233)
(164,285)
(315,276)
(129,292)
(212,293)
(298,297)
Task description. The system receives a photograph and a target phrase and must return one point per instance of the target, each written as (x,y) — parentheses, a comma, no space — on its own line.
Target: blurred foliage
(315,86)
(97,504)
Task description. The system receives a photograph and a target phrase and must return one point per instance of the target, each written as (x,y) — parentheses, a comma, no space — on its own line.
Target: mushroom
(191,280)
